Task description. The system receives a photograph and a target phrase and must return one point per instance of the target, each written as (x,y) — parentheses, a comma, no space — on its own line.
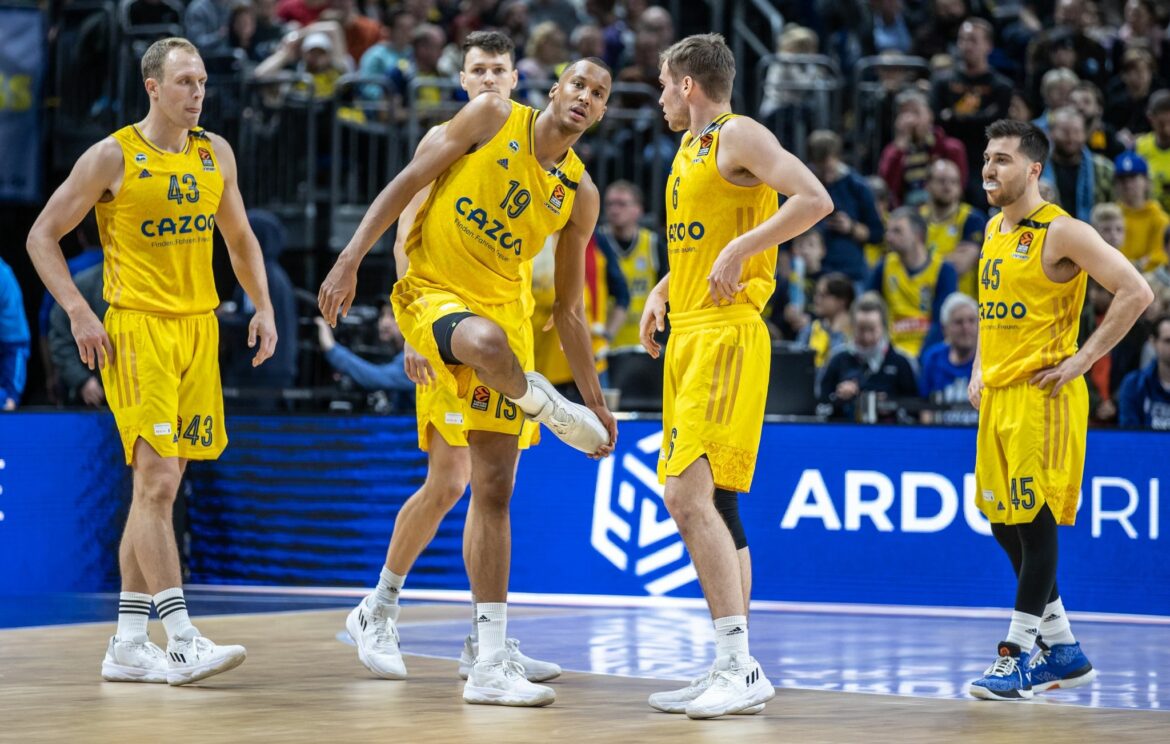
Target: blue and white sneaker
(1007,678)
(1060,666)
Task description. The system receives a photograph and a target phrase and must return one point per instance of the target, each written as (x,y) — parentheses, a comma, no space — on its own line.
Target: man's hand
(610,424)
(847,389)
(93,344)
(1060,375)
(840,222)
(653,320)
(975,387)
(324,335)
(262,328)
(724,280)
(418,367)
(92,393)
(337,291)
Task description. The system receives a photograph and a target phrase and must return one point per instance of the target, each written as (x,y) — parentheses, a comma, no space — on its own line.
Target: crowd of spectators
(884,292)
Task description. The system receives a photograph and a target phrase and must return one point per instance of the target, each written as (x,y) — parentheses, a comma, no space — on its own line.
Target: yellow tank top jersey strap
(640,267)
(911,300)
(489,214)
(705,212)
(1027,322)
(157,231)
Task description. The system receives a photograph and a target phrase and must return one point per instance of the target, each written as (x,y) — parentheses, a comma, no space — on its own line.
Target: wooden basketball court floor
(303,683)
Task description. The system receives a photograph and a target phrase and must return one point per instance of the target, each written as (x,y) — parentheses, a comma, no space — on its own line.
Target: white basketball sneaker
(198,658)
(574,424)
(134,660)
(676,701)
(737,683)
(497,680)
(534,670)
(371,626)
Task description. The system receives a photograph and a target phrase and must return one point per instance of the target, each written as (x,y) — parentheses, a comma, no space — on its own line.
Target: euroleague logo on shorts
(557,200)
(631,526)
(480,397)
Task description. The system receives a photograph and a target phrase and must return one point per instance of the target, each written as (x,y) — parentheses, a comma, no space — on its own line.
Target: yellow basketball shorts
(458,401)
(163,383)
(1030,451)
(714,391)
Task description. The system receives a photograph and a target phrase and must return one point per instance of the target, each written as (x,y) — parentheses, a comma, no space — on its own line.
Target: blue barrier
(837,513)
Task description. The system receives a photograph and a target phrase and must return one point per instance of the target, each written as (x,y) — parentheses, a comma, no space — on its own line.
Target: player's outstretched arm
(1079,243)
(476,123)
(569,307)
(97,172)
(244,251)
(746,147)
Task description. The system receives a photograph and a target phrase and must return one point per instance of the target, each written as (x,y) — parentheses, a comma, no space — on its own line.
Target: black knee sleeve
(444,329)
(727,503)
(1038,543)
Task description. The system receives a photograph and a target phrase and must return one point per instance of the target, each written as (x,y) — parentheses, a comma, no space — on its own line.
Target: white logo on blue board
(631,527)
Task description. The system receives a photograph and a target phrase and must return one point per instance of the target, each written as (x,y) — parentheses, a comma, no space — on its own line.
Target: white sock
(133,614)
(1054,627)
(1023,630)
(533,400)
(731,636)
(389,585)
(172,610)
(492,619)
(474,625)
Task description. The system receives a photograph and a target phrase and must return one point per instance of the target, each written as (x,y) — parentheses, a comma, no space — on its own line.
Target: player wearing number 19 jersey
(160,187)
(1028,385)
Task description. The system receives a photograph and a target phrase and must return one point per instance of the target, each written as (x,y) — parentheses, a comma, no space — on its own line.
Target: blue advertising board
(837,513)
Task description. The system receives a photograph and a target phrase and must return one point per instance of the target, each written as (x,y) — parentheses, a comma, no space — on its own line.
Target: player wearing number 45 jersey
(160,187)
(505,178)
(723,226)
(1028,384)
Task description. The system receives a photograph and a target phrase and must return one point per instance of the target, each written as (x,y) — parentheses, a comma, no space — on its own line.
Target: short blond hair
(155,58)
(705,59)
(1105,212)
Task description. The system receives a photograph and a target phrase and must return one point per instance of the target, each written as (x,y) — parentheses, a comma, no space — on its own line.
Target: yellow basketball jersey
(640,267)
(157,231)
(705,212)
(1027,322)
(910,299)
(489,214)
(943,236)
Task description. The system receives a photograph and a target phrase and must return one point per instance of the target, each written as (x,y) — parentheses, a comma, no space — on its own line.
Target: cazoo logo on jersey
(631,527)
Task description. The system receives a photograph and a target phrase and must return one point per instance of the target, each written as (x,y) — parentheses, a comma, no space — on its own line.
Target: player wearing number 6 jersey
(1028,385)
(160,187)
(505,178)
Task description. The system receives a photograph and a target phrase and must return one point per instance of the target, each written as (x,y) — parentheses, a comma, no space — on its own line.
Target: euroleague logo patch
(557,200)
(1025,243)
(705,143)
(205,156)
(480,397)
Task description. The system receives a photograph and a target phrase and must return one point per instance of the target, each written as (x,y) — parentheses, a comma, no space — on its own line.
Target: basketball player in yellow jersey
(505,178)
(1028,384)
(160,187)
(487,69)
(722,230)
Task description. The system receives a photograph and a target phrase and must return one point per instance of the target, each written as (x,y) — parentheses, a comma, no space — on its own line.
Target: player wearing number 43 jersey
(160,187)
(1028,385)
(723,226)
(504,177)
